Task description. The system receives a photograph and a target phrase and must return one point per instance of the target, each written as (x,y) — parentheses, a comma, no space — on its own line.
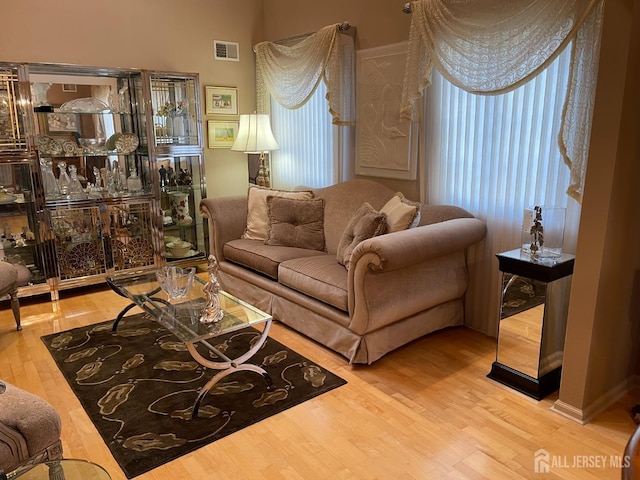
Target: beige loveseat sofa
(399,286)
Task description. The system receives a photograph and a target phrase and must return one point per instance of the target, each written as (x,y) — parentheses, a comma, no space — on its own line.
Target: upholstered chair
(12,277)
(29,429)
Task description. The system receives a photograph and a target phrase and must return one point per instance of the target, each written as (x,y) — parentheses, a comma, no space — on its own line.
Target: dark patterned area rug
(139,385)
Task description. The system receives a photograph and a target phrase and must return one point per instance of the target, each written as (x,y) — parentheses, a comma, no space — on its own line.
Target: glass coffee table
(182,318)
(63,469)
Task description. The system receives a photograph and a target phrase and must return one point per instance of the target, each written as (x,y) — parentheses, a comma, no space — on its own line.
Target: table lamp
(255,136)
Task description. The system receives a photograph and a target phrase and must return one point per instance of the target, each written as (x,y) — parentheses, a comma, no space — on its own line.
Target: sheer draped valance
(290,74)
(494,46)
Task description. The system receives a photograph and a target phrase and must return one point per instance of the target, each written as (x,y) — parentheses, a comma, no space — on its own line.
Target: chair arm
(227,218)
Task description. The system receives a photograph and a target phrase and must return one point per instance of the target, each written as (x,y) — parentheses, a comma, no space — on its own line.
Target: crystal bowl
(175,281)
(84,105)
(92,145)
(179,248)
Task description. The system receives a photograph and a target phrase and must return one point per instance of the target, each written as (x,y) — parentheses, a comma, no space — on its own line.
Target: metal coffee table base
(228,366)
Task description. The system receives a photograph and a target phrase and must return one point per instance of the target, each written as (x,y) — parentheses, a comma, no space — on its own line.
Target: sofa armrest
(400,274)
(415,245)
(227,218)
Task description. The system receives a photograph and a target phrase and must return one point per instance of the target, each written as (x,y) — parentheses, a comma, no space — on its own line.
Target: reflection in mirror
(521,320)
(58,92)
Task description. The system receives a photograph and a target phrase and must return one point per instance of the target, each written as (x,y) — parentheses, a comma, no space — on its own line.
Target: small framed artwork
(221,134)
(221,100)
(62,122)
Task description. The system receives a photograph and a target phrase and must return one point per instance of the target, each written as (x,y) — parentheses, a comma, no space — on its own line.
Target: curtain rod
(342,27)
(407,8)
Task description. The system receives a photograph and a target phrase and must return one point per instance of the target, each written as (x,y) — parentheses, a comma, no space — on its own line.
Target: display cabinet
(102,171)
(19,234)
(176,146)
(20,193)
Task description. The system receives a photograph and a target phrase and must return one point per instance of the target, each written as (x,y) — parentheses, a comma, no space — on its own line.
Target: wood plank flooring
(426,411)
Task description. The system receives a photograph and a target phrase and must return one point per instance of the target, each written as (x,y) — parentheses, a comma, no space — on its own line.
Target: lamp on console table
(255,136)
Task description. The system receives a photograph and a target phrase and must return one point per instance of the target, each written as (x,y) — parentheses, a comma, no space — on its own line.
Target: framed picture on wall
(221,134)
(221,101)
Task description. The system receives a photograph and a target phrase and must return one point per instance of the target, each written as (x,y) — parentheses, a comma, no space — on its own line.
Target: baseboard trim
(568,411)
(583,416)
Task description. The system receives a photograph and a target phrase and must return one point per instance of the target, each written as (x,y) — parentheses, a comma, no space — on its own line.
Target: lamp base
(263,179)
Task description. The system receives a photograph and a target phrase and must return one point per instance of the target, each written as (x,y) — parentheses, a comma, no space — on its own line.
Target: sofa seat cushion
(257,256)
(320,277)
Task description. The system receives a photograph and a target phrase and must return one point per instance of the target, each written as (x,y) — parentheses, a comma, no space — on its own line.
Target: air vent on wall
(226,50)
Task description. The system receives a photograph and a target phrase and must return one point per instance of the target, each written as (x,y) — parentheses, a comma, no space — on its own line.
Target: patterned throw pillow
(401,213)
(257,212)
(367,222)
(296,223)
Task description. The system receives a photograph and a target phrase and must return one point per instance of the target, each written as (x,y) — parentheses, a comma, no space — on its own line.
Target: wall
(602,330)
(378,22)
(164,35)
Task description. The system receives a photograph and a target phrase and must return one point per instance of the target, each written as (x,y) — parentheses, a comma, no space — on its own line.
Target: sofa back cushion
(295,222)
(257,211)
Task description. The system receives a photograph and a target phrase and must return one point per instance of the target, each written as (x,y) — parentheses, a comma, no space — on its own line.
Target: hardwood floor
(426,411)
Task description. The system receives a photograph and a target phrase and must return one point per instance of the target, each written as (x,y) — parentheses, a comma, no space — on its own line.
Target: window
(494,156)
(307,140)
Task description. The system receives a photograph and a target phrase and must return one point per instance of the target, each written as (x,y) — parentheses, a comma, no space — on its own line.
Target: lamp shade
(254,134)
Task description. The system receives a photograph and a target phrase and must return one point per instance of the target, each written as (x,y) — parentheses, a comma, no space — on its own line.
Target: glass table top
(182,316)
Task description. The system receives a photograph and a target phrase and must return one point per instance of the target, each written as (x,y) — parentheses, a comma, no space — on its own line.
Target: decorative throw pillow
(367,222)
(296,223)
(257,214)
(401,213)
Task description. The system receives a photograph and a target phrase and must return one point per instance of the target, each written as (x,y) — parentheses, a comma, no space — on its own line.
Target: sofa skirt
(330,326)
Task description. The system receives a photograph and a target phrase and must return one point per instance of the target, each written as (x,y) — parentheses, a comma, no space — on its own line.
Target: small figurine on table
(212,312)
(537,232)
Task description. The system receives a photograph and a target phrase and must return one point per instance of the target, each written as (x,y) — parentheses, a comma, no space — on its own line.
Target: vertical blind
(495,156)
(306,140)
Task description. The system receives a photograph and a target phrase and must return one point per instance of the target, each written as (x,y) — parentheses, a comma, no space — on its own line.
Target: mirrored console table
(533,317)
